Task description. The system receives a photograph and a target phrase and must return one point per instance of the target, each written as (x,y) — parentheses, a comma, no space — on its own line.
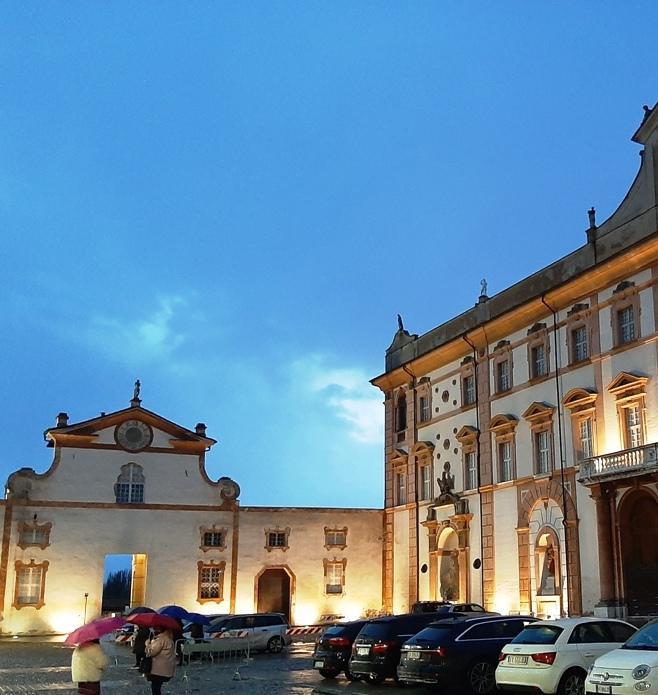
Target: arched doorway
(273,591)
(449,574)
(639,547)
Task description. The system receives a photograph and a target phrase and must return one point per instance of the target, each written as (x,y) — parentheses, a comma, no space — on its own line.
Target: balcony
(621,464)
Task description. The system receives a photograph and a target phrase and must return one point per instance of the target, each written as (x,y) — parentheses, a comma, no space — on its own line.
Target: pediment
(100,432)
(422,447)
(626,381)
(538,410)
(466,433)
(502,422)
(578,397)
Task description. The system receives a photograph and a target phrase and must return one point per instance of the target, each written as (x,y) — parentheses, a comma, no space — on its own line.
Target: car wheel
(327,673)
(572,683)
(374,678)
(482,677)
(274,645)
(351,676)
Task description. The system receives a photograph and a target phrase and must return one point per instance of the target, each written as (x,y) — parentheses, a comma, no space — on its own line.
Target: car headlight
(642,686)
(641,671)
(589,670)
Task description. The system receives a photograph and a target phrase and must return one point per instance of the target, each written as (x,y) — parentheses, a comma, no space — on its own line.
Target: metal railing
(620,463)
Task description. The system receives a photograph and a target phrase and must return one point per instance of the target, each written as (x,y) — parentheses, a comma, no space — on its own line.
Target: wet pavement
(27,668)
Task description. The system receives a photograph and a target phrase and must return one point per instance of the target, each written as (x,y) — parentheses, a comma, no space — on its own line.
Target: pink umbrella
(94,630)
(154,620)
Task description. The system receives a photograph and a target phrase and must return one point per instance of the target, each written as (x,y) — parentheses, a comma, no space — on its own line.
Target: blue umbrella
(198,618)
(175,612)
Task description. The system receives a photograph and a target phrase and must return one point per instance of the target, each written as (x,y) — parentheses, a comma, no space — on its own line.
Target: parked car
(263,630)
(553,656)
(446,607)
(459,650)
(630,669)
(376,649)
(333,649)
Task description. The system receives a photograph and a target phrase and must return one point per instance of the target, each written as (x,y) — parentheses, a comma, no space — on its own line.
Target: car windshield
(431,635)
(644,638)
(538,634)
(375,630)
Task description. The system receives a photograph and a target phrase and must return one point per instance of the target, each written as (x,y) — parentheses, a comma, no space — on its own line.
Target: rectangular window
(503,380)
(130,493)
(29,585)
(580,348)
(470,464)
(538,357)
(585,437)
(505,461)
(543,449)
(34,535)
(334,577)
(211,581)
(634,435)
(468,388)
(213,539)
(277,539)
(401,488)
(335,538)
(426,482)
(424,409)
(626,325)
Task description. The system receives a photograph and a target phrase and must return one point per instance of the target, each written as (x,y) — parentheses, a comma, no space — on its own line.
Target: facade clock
(133,435)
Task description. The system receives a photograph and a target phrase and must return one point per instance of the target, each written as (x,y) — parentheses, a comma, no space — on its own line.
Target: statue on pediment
(447,486)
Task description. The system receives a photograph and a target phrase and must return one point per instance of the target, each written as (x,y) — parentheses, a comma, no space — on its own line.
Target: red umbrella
(94,630)
(155,620)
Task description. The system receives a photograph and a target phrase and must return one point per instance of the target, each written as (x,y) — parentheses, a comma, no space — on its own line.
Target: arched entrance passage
(639,547)
(274,590)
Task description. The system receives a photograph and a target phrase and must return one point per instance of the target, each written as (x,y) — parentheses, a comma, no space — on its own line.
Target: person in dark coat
(139,644)
(196,632)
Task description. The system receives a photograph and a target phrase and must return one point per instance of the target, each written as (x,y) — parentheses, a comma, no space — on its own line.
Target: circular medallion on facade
(133,435)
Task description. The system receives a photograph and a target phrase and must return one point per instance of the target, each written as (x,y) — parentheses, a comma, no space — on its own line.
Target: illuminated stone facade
(521,436)
(134,483)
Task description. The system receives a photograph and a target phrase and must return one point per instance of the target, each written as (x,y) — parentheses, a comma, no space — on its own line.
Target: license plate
(604,689)
(413,655)
(516,659)
(362,651)
(318,664)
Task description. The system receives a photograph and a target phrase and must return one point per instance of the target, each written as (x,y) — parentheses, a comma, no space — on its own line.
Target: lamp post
(85,614)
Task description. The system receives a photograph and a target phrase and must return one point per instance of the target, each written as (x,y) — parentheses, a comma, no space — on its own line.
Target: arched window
(129,488)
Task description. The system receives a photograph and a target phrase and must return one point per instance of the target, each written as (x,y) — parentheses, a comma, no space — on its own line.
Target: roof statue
(592,217)
(483,287)
(400,324)
(136,400)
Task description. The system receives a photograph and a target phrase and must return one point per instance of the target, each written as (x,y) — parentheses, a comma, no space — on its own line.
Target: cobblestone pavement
(27,668)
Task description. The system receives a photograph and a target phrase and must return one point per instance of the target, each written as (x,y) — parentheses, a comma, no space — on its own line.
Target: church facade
(521,436)
(133,483)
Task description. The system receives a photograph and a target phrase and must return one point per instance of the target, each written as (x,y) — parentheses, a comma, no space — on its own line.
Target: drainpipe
(477,458)
(561,445)
(416,501)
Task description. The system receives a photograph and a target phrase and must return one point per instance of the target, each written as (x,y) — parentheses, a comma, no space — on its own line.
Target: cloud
(347,392)
(153,339)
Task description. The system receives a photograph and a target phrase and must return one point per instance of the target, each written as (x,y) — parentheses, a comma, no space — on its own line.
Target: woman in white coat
(87,665)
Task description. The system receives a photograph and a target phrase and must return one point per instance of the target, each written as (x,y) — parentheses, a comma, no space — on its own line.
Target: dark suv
(446,607)
(376,649)
(333,649)
(459,650)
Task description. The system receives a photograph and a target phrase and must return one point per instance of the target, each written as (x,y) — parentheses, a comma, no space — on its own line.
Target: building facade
(521,436)
(133,483)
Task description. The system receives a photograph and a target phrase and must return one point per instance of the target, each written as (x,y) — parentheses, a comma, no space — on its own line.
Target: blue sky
(232,201)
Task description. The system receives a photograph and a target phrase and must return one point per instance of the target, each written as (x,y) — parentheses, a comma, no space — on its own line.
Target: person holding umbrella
(87,666)
(163,653)
(139,644)
(89,661)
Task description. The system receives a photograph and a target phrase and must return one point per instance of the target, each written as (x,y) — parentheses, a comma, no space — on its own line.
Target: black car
(376,650)
(459,650)
(333,649)
(446,607)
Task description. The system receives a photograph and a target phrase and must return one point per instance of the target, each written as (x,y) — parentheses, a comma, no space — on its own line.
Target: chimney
(62,419)
(200,429)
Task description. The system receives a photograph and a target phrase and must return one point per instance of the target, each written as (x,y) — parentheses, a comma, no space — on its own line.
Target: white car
(553,656)
(629,670)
